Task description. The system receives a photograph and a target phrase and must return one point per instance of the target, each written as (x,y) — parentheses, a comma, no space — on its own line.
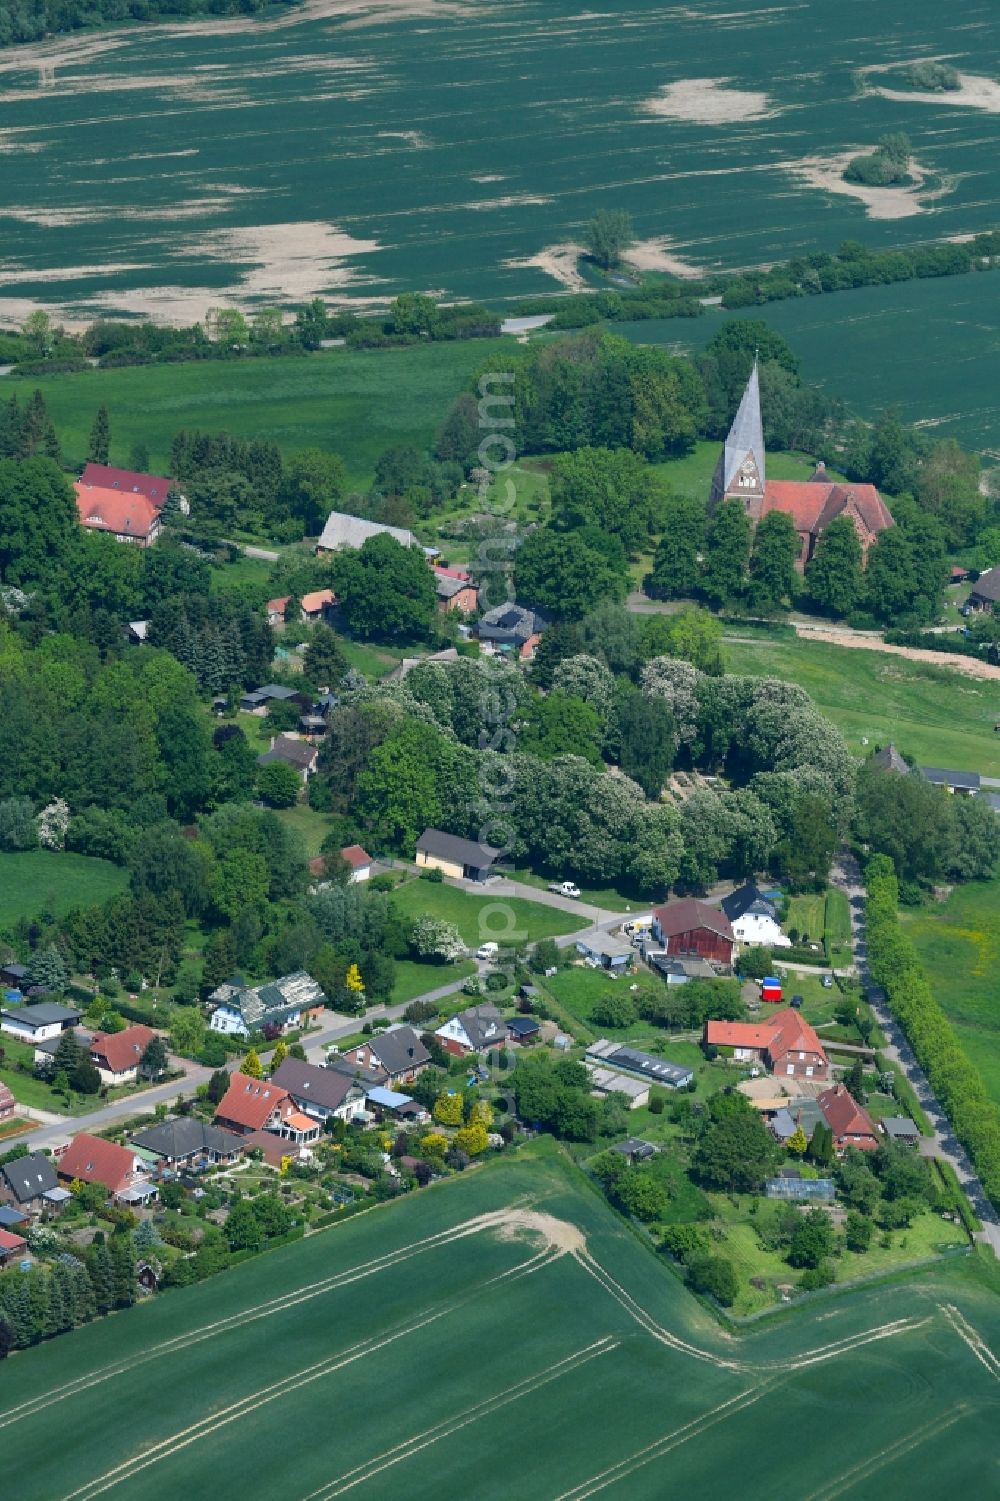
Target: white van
(488,951)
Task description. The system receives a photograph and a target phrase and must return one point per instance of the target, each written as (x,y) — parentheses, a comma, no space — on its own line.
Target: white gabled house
(754,919)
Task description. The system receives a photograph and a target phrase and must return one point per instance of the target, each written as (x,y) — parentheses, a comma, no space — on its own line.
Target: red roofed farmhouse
(128,481)
(812,504)
(117,1055)
(128,517)
(692,927)
(91,1159)
(784,1043)
(851,1125)
(251,1105)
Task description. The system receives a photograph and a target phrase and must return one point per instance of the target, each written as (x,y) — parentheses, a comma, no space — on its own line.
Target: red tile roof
(127,515)
(11,1242)
(250,1102)
(300,1122)
(688,913)
(93,1160)
(784,1032)
(315,601)
(844,1115)
(118,1051)
(355,856)
(813,505)
(107,477)
(277,606)
(453,573)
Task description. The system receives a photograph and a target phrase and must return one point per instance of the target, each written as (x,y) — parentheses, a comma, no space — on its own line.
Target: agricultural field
(618,1379)
(959,945)
(479,918)
(938,716)
(34,881)
(356,402)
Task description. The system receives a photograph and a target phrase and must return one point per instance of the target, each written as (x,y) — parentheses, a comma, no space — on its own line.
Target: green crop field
(959,944)
(479,918)
(37,881)
(329,153)
(357,403)
(503,1335)
(940,717)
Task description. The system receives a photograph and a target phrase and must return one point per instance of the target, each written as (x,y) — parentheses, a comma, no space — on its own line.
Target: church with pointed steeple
(812,504)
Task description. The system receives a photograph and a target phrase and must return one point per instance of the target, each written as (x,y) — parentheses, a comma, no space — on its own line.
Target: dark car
(796,1001)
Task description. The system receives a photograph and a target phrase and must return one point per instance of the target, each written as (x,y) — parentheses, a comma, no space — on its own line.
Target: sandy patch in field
(286,262)
(557,261)
(708,101)
(61,52)
(975,92)
(560,1235)
(512,200)
(14,310)
(11,274)
(490,177)
(415,139)
(827,174)
(656,255)
(967,665)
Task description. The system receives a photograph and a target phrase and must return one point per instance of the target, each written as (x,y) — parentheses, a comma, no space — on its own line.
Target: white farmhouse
(754,919)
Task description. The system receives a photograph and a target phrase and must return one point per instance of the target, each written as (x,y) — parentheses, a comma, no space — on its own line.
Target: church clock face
(747,479)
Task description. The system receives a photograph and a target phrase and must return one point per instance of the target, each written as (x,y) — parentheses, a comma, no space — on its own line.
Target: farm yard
(619,1377)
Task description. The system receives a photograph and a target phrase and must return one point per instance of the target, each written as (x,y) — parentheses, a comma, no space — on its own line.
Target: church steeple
(739,474)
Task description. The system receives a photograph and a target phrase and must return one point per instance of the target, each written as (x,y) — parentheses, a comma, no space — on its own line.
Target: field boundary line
(646,1320)
(212,1422)
(694,1428)
(413,1445)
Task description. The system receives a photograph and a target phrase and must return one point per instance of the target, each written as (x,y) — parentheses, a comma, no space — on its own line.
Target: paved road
(847,876)
(54,1133)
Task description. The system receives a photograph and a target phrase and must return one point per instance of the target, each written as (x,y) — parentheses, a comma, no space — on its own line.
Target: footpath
(847,875)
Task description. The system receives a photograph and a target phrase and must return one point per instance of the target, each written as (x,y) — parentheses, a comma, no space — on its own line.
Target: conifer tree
(100,437)
(252,1066)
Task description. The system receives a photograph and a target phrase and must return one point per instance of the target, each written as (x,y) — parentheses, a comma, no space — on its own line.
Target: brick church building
(812,504)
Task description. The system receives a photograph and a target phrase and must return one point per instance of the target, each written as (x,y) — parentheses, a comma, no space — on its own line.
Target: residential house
(117,1055)
(300,755)
(473,1030)
(985,592)
(251,1105)
(276,608)
(850,1123)
(189,1143)
(783,1043)
(962,783)
(360,862)
(364,1078)
(293,1001)
(522,1029)
(511,628)
(811,504)
(258,700)
(398,1054)
(456,857)
(8,1104)
(754,918)
(342,530)
(626,1060)
(320,604)
(319,1092)
(12,1248)
(802,1113)
(889,759)
(91,1159)
(606,951)
(155,487)
(126,517)
(690,927)
(30,1183)
(455,590)
(39,1022)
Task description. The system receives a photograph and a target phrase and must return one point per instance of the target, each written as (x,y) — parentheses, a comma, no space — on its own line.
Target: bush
(613,1011)
(432,873)
(716,1276)
(817,1276)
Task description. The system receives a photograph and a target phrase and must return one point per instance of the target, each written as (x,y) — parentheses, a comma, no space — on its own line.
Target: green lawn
(36,881)
(482,918)
(838,925)
(374,661)
(806,914)
(937,716)
(312,827)
(414,979)
(959,944)
(357,403)
(616,1374)
(607,897)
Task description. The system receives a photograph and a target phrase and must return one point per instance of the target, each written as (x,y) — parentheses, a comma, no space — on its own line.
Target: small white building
(754,919)
(38,1023)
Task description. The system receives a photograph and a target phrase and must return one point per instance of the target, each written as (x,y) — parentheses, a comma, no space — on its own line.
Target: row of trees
(63,1294)
(955,1080)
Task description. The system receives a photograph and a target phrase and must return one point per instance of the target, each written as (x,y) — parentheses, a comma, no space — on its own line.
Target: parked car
(827,982)
(487,951)
(564,888)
